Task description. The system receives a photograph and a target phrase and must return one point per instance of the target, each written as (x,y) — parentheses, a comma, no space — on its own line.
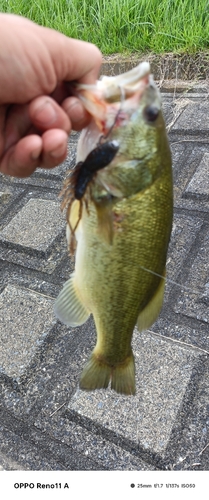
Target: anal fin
(68,306)
(151,312)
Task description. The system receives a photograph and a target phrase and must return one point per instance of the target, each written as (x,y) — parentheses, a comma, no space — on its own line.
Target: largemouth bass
(119,201)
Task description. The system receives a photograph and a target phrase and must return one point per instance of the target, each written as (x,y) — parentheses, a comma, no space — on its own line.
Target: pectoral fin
(68,306)
(73,215)
(151,312)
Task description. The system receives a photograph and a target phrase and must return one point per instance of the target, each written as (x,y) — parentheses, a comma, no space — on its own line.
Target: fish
(121,223)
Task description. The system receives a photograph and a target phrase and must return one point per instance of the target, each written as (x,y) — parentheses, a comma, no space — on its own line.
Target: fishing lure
(75,186)
(97,159)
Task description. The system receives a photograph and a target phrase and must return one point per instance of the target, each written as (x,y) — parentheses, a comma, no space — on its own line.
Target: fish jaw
(108,88)
(103,100)
(113,102)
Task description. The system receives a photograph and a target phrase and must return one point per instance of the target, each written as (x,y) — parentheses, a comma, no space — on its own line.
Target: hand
(36,112)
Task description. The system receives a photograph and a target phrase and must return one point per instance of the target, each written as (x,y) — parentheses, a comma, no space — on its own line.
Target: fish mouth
(110,88)
(113,98)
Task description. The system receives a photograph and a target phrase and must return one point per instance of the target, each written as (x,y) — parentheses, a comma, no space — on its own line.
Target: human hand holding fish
(36,112)
(119,204)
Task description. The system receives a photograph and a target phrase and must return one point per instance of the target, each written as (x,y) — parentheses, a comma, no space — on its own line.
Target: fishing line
(168,280)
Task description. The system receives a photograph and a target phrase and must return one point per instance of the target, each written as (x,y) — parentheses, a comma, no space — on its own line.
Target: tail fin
(123,377)
(97,374)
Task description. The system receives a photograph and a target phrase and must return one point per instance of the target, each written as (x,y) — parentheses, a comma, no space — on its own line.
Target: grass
(128,26)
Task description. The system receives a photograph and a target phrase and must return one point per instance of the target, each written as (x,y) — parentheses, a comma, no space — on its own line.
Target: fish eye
(151,113)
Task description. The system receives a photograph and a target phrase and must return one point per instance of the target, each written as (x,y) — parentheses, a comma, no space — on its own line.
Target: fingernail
(45,114)
(59,151)
(76,111)
(35,154)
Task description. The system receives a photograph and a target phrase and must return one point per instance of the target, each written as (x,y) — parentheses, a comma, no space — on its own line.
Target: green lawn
(157,26)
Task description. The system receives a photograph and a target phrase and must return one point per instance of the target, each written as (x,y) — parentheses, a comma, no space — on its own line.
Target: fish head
(125,109)
(115,101)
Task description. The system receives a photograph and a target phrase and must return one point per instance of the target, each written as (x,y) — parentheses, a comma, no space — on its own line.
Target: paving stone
(184,232)
(26,318)
(188,161)
(27,279)
(95,446)
(70,458)
(192,117)
(199,183)
(167,109)
(35,226)
(43,246)
(21,451)
(163,371)
(34,450)
(54,376)
(189,445)
(194,301)
(49,262)
(8,463)
(2,196)
(180,327)
(10,196)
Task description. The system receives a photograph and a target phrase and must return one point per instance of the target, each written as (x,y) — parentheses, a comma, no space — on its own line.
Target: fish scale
(120,263)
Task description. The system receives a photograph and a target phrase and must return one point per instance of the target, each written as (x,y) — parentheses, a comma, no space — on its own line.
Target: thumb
(72,59)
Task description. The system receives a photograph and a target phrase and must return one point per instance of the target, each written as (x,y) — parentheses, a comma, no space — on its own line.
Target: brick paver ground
(46,422)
